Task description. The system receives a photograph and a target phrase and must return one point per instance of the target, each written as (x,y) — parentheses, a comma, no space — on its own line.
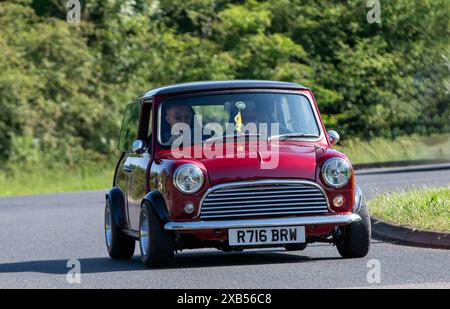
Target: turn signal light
(338,201)
(189,208)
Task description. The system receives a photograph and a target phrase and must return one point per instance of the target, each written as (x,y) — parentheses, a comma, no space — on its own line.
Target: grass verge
(400,149)
(41,180)
(427,209)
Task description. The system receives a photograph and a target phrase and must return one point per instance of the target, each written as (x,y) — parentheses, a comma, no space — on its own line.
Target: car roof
(222,85)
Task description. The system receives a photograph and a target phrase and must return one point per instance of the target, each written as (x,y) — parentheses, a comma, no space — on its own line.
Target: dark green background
(63,87)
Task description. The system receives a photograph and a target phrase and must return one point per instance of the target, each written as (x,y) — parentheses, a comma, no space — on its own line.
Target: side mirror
(333,136)
(139,146)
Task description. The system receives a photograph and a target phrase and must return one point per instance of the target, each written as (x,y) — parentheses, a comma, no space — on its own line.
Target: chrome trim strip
(240,194)
(270,189)
(357,199)
(247,223)
(269,209)
(321,204)
(286,213)
(259,182)
(260,197)
(268,202)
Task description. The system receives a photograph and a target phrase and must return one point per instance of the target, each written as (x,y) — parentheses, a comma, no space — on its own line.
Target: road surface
(40,234)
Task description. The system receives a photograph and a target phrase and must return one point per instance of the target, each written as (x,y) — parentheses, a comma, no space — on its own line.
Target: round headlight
(336,172)
(188,178)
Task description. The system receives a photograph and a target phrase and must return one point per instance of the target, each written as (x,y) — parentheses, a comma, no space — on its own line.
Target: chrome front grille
(263,198)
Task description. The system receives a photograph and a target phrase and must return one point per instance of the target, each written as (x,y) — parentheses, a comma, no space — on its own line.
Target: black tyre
(155,242)
(354,241)
(295,247)
(119,245)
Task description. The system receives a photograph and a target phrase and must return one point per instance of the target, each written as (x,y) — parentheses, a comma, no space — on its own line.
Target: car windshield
(221,116)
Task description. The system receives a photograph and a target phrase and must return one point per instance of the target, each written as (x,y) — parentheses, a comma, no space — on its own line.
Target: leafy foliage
(64,87)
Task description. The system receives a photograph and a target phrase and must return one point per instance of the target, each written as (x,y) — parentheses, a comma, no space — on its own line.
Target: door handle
(127,169)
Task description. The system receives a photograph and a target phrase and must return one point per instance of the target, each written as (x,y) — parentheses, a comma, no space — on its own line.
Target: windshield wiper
(291,135)
(234,136)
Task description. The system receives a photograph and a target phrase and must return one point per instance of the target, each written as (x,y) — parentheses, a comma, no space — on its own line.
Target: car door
(136,164)
(128,133)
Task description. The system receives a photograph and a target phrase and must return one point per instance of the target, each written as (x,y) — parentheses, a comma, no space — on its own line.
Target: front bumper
(248,223)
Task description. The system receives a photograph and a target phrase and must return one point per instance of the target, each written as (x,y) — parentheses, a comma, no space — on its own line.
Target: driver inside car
(176,114)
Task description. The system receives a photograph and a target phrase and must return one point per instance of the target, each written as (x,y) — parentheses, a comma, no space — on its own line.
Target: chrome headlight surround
(336,172)
(188,178)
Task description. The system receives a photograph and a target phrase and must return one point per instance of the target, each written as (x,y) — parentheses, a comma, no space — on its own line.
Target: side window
(149,132)
(129,130)
(146,122)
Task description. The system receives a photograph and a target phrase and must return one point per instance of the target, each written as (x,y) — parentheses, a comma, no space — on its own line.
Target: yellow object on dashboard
(238,121)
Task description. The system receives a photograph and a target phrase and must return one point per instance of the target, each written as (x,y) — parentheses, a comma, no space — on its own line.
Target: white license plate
(266,235)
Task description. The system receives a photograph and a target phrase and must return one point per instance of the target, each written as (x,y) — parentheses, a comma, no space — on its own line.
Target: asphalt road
(40,234)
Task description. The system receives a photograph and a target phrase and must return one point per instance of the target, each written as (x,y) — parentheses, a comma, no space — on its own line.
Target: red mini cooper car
(231,165)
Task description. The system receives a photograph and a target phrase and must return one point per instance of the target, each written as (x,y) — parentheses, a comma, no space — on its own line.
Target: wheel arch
(116,199)
(156,201)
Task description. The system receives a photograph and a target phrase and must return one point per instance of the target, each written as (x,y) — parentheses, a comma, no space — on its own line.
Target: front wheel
(155,242)
(119,245)
(354,241)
